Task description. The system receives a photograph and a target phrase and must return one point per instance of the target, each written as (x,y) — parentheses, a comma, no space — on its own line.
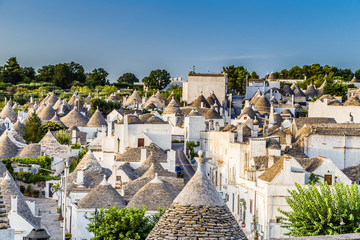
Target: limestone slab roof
(8,112)
(92,176)
(74,118)
(286,90)
(9,188)
(8,148)
(263,105)
(353,173)
(132,119)
(198,211)
(300,122)
(354,80)
(249,111)
(197,102)
(311,91)
(52,99)
(151,166)
(133,99)
(170,97)
(97,120)
(153,100)
(153,195)
(32,150)
(352,101)
(274,170)
(172,108)
(134,154)
(129,171)
(19,127)
(56,119)
(229,128)
(102,196)
(212,114)
(314,164)
(131,188)
(46,113)
(16,138)
(57,105)
(51,147)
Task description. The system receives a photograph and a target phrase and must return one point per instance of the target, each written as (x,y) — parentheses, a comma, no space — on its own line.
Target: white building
(253,176)
(206,84)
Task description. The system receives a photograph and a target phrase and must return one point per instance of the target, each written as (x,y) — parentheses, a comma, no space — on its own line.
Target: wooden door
(328,179)
(141,142)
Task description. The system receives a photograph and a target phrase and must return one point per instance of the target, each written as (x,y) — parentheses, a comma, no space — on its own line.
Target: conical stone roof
(153,195)
(72,100)
(352,101)
(212,114)
(263,105)
(198,212)
(7,111)
(8,149)
(311,91)
(173,108)
(297,91)
(97,120)
(74,118)
(92,176)
(102,196)
(57,105)
(52,99)
(354,80)
(9,188)
(287,91)
(197,103)
(160,97)
(170,97)
(19,127)
(159,103)
(31,151)
(194,113)
(133,99)
(57,120)
(46,113)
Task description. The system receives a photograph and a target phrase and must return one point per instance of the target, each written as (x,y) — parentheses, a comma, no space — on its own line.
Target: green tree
(32,130)
(98,77)
(77,72)
(105,107)
(11,72)
(123,223)
(336,89)
(128,78)
(62,76)
(28,74)
(63,137)
(236,78)
(46,73)
(254,75)
(357,74)
(319,210)
(157,79)
(52,126)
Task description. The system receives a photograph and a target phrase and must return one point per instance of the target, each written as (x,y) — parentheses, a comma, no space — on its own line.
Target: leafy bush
(63,137)
(319,210)
(52,126)
(123,223)
(76,146)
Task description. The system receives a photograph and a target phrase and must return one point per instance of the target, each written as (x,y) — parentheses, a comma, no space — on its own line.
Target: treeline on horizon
(67,75)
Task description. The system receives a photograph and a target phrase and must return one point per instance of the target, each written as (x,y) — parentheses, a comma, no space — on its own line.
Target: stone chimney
(292,100)
(143,155)
(217,127)
(73,137)
(240,133)
(287,165)
(288,138)
(14,203)
(271,161)
(80,178)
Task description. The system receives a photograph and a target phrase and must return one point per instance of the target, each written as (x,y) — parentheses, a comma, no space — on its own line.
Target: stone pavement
(47,210)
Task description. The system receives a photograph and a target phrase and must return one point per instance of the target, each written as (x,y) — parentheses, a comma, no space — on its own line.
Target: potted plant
(28,191)
(60,218)
(36,193)
(256,232)
(68,236)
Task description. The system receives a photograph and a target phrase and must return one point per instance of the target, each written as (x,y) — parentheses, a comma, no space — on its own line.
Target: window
(141,142)
(251,205)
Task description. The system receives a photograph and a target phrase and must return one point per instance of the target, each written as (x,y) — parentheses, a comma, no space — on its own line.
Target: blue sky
(139,36)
